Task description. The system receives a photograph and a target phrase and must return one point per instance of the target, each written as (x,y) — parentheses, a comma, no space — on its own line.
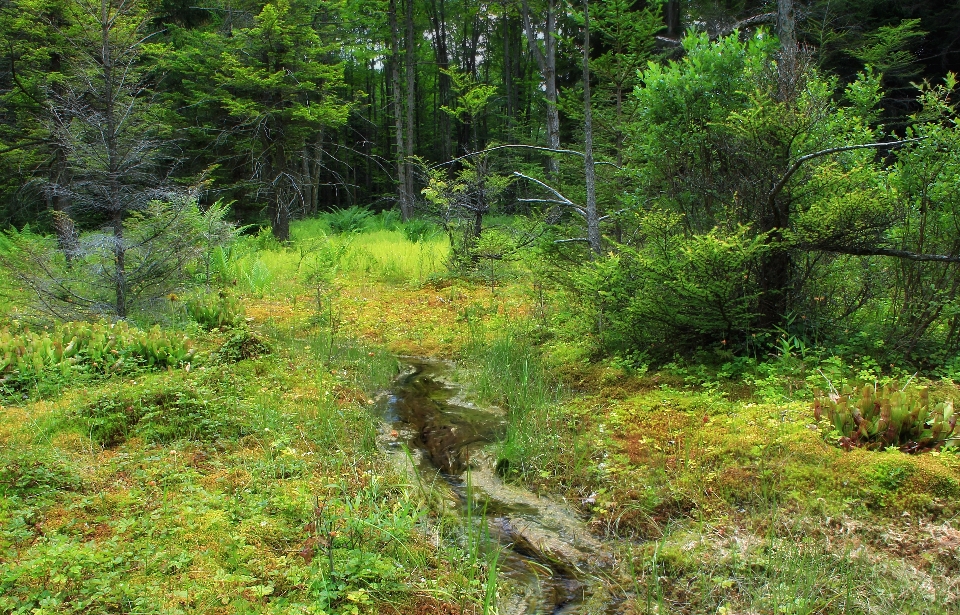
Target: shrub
(165,247)
(349,220)
(27,472)
(676,293)
(878,418)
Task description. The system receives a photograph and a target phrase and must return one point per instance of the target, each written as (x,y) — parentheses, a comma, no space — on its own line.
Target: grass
(241,482)
(249,479)
(316,257)
(208,504)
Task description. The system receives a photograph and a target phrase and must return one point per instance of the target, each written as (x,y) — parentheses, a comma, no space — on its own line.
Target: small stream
(549,562)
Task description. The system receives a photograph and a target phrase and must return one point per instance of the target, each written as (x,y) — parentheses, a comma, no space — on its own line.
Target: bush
(675,293)
(165,248)
(349,220)
(28,472)
(875,419)
(242,345)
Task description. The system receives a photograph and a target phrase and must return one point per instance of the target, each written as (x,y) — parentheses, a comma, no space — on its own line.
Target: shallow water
(549,561)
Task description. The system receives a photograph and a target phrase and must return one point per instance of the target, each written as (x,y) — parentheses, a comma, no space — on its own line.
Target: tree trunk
(306,185)
(63,225)
(396,87)
(411,66)
(317,172)
(111,140)
(507,75)
(787,66)
(550,75)
(280,214)
(593,218)
(547,61)
(120,265)
(671,15)
(439,21)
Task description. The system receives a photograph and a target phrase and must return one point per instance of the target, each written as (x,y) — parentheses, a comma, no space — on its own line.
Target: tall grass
(317,254)
(786,572)
(509,372)
(390,256)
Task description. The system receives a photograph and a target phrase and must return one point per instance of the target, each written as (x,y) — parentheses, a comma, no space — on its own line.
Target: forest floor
(250,481)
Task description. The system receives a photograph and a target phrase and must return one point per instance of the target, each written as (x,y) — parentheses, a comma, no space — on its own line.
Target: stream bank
(549,562)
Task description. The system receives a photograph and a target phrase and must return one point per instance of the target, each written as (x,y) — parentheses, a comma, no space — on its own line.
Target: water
(549,562)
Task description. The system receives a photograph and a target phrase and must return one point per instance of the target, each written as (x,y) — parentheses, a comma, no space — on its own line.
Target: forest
(448,306)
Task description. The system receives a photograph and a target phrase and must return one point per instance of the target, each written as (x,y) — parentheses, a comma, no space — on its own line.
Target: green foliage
(27,356)
(35,471)
(242,345)
(879,418)
(272,83)
(675,293)
(350,220)
(887,49)
(418,230)
(215,310)
(763,212)
(167,247)
(461,202)
(171,413)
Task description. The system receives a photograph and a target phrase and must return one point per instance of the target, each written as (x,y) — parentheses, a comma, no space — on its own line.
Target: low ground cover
(246,477)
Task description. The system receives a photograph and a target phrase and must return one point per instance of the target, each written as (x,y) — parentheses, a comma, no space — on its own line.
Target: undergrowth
(31,359)
(238,470)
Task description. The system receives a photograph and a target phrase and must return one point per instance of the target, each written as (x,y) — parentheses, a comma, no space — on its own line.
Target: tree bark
(438,20)
(411,65)
(396,87)
(547,61)
(787,66)
(671,15)
(306,185)
(317,172)
(593,219)
(111,140)
(120,265)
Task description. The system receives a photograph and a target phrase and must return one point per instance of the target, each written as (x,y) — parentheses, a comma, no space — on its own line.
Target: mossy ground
(255,484)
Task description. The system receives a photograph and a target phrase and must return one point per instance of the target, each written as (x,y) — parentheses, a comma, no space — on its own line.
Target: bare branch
(904,254)
(562,199)
(612,214)
(778,187)
(518,146)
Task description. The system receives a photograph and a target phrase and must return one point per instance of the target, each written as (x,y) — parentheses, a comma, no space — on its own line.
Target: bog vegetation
(704,257)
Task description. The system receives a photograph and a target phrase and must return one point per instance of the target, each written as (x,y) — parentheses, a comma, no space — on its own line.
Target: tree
(405,197)
(590,175)
(102,118)
(726,160)
(546,59)
(31,160)
(165,246)
(103,121)
(269,88)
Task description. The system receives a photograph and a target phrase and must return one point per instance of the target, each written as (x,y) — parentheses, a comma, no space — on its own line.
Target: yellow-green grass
(314,258)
